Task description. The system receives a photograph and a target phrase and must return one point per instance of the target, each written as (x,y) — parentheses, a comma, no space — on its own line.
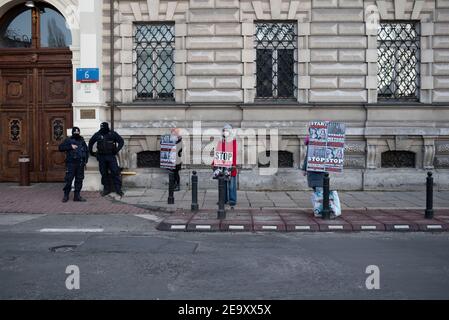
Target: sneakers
(66,198)
(120,193)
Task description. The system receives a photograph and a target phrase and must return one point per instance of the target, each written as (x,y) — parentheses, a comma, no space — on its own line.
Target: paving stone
(232,224)
(269,225)
(203,225)
(337,224)
(360,222)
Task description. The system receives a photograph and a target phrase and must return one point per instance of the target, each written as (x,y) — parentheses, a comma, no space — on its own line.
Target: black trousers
(176,175)
(74,170)
(109,171)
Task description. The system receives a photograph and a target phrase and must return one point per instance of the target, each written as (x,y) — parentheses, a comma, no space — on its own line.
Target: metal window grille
(285,159)
(398,159)
(154,67)
(398,61)
(148,159)
(276,63)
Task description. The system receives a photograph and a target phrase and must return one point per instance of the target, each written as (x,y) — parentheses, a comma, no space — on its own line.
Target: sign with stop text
(223,159)
(325,152)
(168,151)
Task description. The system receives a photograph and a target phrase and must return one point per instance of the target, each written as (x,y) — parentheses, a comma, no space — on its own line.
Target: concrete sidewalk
(255,211)
(304,221)
(46,198)
(156,199)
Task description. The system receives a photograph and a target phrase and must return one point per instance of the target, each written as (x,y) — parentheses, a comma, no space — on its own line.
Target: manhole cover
(63,248)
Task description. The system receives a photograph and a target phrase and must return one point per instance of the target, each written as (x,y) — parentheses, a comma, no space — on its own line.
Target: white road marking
(434,226)
(203,226)
(150,217)
(71,230)
(177,226)
(269,227)
(402,226)
(368,227)
(302,227)
(234,227)
(335,227)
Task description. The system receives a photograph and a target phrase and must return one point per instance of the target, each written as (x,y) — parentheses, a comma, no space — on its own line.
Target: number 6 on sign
(87,74)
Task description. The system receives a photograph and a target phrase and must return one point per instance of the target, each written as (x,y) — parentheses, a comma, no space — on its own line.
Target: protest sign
(168,151)
(326,146)
(223,159)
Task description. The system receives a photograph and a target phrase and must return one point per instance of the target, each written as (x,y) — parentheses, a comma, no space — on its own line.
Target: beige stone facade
(215,80)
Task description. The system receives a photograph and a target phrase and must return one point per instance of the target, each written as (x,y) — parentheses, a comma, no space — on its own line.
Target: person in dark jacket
(176,133)
(76,159)
(314,178)
(109,143)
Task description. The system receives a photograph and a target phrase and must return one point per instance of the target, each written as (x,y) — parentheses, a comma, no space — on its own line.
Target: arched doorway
(35,90)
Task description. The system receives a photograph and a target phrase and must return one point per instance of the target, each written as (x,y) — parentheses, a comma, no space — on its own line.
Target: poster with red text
(325,152)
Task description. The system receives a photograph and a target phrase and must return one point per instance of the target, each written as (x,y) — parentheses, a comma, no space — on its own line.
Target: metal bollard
(171,187)
(326,210)
(194,206)
(429,196)
(24,162)
(221,213)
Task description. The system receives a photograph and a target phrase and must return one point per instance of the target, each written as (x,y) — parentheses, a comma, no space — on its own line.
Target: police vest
(79,153)
(106,144)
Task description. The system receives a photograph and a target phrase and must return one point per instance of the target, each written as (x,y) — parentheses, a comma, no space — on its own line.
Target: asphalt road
(126,258)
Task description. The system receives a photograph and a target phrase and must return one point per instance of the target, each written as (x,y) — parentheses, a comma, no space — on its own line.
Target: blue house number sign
(87,75)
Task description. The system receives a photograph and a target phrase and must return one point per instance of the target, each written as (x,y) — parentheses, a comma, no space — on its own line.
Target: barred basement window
(398,61)
(154,67)
(398,159)
(285,159)
(276,50)
(148,159)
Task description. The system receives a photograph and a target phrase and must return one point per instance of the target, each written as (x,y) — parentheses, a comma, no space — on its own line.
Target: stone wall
(337,80)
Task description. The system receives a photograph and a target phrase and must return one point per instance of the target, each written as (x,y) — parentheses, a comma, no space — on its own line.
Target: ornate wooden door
(35,105)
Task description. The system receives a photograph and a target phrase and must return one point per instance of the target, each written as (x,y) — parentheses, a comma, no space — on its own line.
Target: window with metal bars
(276,67)
(398,59)
(154,67)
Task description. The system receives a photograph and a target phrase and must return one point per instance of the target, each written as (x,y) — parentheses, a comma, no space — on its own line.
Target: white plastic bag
(317,202)
(334,203)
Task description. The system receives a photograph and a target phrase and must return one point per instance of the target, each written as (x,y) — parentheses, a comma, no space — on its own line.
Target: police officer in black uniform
(109,143)
(76,159)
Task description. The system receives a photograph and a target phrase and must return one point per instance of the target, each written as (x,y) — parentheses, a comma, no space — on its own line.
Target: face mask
(225,134)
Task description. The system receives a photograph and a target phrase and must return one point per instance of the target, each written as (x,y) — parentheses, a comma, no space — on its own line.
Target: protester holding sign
(175,132)
(325,153)
(314,178)
(225,162)
(171,154)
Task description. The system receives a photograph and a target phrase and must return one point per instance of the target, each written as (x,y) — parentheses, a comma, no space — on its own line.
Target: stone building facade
(213,78)
(336,68)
